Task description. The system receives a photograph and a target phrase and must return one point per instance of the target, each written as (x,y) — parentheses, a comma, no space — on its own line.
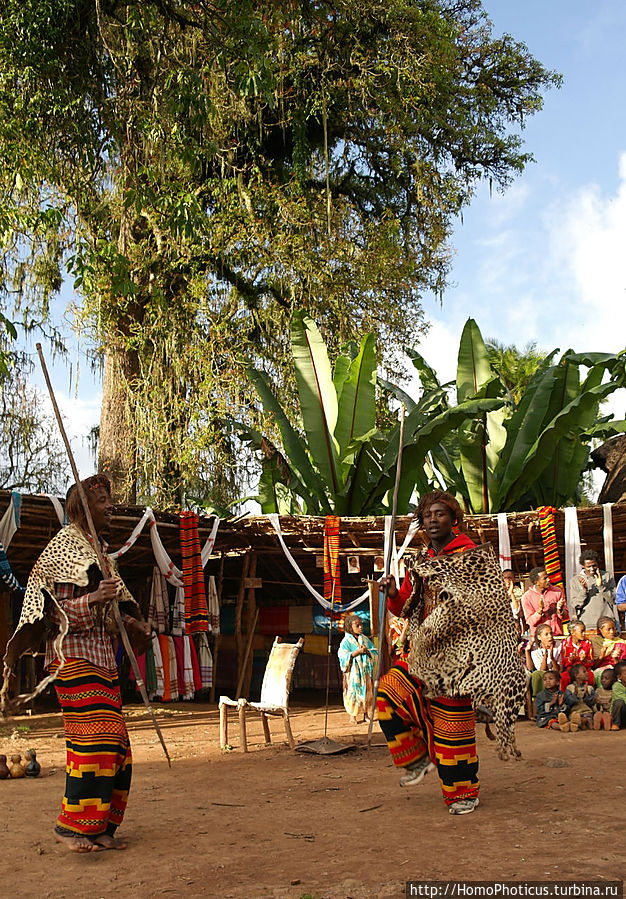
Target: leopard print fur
(467,645)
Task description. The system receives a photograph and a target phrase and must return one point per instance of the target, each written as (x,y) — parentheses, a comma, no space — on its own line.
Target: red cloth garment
(165,657)
(443,727)
(331,559)
(273,620)
(196,609)
(530,605)
(195,664)
(577,653)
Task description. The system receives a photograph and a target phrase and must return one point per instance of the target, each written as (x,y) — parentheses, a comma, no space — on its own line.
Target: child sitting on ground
(575,650)
(618,705)
(356,658)
(603,700)
(613,647)
(580,713)
(545,657)
(552,704)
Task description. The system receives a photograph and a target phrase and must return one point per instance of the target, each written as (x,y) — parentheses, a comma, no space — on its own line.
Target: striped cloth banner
(331,559)
(550,548)
(196,610)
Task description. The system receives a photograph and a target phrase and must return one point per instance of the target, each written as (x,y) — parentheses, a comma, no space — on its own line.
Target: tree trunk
(117,448)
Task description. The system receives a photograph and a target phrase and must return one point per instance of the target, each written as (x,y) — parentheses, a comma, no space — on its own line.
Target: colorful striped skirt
(99,761)
(444,728)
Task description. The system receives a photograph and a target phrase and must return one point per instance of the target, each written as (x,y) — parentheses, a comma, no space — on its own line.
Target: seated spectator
(603,700)
(514,592)
(576,650)
(546,656)
(612,648)
(618,705)
(592,592)
(552,703)
(581,711)
(543,603)
(620,595)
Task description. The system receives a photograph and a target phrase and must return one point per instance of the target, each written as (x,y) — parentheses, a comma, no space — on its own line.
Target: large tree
(202,168)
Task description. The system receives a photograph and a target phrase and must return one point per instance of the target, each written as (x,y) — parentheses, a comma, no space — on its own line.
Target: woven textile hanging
(550,548)
(196,611)
(331,559)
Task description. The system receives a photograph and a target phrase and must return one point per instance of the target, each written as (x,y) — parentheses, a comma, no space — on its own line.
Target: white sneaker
(463,806)
(417,772)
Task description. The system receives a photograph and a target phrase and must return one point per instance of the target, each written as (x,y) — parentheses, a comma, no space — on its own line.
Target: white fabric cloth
(188,670)
(178,613)
(572,545)
(158,667)
(58,508)
(207,549)
(214,606)
(148,515)
(10,521)
(607,518)
(169,571)
(538,654)
(504,542)
(205,659)
(158,610)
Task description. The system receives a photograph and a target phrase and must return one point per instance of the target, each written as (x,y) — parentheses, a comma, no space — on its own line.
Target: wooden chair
(274,695)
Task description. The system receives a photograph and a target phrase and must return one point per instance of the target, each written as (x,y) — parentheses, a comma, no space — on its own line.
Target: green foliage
(33,458)
(334,459)
(203,169)
(534,452)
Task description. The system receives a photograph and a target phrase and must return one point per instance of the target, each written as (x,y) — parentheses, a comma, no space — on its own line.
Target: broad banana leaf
(433,432)
(356,411)
(399,393)
(480,441)
(539,454)
(318,399)
(274,496)
(558,482)
(281,469)
(528,418)
(428,376)
(295,449)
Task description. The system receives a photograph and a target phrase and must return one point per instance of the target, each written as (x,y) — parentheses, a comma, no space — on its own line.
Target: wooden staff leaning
(382,609)
(101,560)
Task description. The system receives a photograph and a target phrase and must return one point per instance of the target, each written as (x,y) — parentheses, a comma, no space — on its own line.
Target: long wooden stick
(101,560)
(382,609)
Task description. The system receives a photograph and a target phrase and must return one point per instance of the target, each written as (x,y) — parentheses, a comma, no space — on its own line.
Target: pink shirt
(530,605)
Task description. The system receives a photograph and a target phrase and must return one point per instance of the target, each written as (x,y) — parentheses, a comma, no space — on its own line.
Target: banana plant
(335,459)
(515,457)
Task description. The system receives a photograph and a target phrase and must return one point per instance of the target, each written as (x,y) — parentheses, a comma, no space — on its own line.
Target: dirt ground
(276,823)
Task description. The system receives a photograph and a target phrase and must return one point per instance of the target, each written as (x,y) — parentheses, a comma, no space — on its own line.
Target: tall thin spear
(101,560)
(382,609)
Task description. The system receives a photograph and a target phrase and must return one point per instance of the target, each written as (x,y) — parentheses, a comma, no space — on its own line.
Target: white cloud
(79,416)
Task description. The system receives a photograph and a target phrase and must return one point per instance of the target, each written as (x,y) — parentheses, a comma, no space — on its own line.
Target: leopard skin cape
(66,559)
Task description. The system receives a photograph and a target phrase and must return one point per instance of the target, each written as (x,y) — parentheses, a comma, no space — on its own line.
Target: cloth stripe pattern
(331,559)
(196,610)
(99,760)
(550,548)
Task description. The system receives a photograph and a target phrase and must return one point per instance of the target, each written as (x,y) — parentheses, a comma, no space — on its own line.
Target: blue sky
(545,261)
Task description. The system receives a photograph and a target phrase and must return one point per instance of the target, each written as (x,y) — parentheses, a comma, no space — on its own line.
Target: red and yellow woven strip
(550,548)
(196,609)
(331,559)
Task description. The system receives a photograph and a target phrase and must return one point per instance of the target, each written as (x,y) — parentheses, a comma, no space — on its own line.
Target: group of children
(575,687)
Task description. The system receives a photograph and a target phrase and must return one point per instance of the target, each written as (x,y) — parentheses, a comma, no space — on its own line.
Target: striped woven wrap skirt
(99,761)
(444,728)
